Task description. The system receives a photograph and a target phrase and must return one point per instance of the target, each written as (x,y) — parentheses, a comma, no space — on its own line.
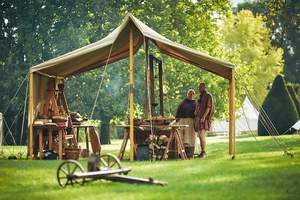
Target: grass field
(260,171)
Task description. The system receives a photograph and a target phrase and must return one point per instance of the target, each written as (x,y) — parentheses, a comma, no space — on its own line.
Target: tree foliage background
(282,17)
(34,31)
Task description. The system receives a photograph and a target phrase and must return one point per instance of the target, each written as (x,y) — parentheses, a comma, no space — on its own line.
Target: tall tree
(283,18)
(35,31)
(247,44)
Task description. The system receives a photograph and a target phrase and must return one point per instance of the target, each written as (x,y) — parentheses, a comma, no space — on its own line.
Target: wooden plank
(124,144)
(95,141)
(146,47)
(77,135)
(152,92)
(87,141)
(134,180)
(131,108)
(161,90)
(232,115)
(100,174)
(30,118)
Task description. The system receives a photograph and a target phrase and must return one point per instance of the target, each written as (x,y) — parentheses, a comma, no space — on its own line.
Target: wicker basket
(72,153)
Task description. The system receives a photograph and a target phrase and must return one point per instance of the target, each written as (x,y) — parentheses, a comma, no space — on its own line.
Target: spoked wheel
(65,173)
(109,161)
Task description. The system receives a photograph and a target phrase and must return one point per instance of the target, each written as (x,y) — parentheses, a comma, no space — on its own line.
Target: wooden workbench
(51,128)
(159,130)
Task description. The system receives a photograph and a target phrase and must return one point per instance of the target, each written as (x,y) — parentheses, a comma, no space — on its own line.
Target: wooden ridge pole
(131,109)
(232,114)
(30,118)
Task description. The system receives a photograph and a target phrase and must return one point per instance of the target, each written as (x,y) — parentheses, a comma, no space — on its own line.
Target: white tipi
(246,120)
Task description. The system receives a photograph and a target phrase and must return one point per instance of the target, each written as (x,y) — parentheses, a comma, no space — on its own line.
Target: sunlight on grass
(260,171)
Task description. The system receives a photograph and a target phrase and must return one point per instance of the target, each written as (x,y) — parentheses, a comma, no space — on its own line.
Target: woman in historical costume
(185,116)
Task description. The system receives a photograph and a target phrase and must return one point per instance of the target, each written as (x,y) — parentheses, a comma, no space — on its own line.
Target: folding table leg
(40,135)
(165,156)
(50,140)
(124,144)
(60,144)
(180,146)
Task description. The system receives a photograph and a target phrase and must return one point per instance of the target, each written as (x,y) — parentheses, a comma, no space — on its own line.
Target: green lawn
(260,171)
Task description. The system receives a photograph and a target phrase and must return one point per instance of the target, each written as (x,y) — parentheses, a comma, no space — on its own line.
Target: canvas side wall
(38,88)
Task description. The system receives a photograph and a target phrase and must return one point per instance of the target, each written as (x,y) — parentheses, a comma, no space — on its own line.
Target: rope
(10,127)
(266,119)
(100,85)
(9,131)
(251,131)
(15,94)
(23,120)
(269,126)
(149,104)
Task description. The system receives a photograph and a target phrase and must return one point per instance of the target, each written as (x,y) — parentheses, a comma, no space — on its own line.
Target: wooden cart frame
(108,167)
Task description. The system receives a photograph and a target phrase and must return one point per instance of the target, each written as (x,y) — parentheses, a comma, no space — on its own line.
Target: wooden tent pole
(30,118)
(146,47)
(232,114)
(131,109)
(151,87)
(161,88)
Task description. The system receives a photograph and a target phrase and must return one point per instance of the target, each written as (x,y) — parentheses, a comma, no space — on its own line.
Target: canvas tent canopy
(121,43)
(96,54)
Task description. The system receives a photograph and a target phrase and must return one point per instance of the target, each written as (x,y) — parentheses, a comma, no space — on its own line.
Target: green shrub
(279,107)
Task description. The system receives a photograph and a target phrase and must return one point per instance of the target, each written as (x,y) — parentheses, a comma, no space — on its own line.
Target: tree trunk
(104,132)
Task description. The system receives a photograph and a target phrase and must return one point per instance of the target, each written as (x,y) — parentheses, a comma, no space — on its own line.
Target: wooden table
(174,136)
(50,127)
(86,134)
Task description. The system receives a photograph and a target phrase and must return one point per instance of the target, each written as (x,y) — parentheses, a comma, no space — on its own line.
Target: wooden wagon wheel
(65,173)
(109,161)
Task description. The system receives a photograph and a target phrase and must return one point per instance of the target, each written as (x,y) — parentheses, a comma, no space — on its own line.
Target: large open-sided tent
(123,42)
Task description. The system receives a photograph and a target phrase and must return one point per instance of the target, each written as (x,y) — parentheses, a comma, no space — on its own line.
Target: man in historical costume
(203,115)
(185,116)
